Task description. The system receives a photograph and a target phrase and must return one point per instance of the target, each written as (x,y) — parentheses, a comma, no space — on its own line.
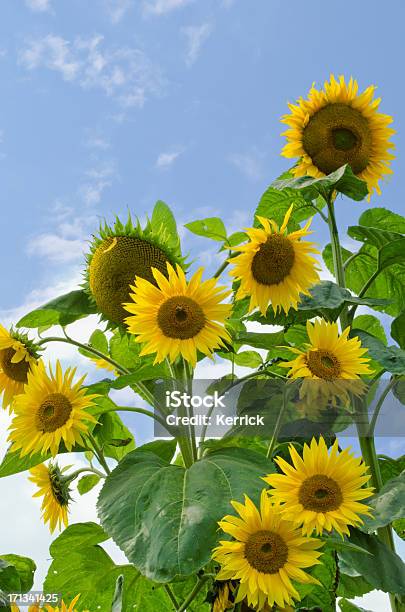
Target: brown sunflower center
(338,134)
(15,371)
(113,268)
(180,317)
(53,413)
(266,551)
(323,364)
(273,261)
(320,494)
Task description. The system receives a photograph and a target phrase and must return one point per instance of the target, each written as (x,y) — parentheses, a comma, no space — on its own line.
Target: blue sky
(112,104)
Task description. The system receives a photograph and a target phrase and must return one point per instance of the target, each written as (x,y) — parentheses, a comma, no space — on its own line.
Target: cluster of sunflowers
(164,324)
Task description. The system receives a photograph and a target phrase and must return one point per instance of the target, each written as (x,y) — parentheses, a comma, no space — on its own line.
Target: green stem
(144,411)
(99,453)
(277,426)
(197,588)
(379,404)
(77,473)
(171,596)
(188,381)
(367,443)
(363,291)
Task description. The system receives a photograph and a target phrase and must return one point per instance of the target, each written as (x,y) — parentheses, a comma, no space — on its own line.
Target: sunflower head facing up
(117,256)
(174,317)
(53,486)
(323,490)
(17,354)
(52,409)
(337,126)
(266,554)
(274,267)
(331,364)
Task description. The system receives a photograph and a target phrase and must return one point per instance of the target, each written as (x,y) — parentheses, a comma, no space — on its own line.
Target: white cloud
(250,164)
(97,142)
(125,74)
(117,9)
(56,248)
(97,180)
(168,158)
(161,7)
(39,6)
(196,37)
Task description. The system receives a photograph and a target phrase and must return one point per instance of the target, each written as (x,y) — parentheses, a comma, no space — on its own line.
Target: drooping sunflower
(52,409)
(322,490)
(53,486)
(178,317)
(337,126)
(275,266)
(118,255)
(17,353)
(332,363)
(266,555)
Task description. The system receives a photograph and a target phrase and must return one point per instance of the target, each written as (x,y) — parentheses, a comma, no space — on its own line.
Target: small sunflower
(266,554)
(102,364)
(17,354)
(322,490)
(275,266)
(223,600)
(64,607)
(117,256)
(337,126)
(54,488)
(51,410)
(177,317)
(332,363)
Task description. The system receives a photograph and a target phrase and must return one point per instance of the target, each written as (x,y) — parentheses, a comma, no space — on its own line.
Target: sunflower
(102,364)
(333,364)
(275,266)
(223,600)
(177,317)
(120,253)
(17,353)
(54,488)
(322,490)
(64,607)
(266,554)
(337,126)
(51,410)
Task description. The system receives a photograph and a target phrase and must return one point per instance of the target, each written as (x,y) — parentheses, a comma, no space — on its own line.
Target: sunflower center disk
(15,371)
(53,413)
(320,494)
(323,364)
(336,135)
(266,551)
(273,261)
(180,317)
(115,265)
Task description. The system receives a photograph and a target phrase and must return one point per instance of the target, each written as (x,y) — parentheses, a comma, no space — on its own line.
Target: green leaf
(391,358)
(14,464)
(211,227)
(260,340)
(342,180)
(383,570)
(236,238)
(275,202)
(114,437)
(352,586)
(391,468)
(165,449)
(320,597)
(144,372)
(80,565)
(326,295)
(60,311)
(248,359)
(398,329)
(391,253)
(9,578)
(98,340)
(349,606)
(164,517)
(25,568)
(399,526)
(371,325)
(384,219)
(388,505)
(87,483)
(375,236)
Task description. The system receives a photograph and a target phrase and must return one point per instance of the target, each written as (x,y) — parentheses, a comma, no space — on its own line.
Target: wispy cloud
(196,37)
(97,141)
(117,9)
(161,7)
(249,164)
(97,179)
(39,6)
(125,74)
(168,158)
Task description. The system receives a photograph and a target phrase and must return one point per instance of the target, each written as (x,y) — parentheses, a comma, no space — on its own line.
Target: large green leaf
(384,219)
(80,565)
(164,220)
(388,505)
(391,358)
(260,340)
(211,227)
(391,468)
(320,597)
(60,311)
(326,295)
(352,586)
(349,606)
(25,568)
(9,578)
(275,202)
(373,235)
(382,569)
(114,437)
(164,517)
(371,325)
(342,180)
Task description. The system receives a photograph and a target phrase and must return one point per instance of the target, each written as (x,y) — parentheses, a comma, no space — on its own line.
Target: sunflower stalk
(367,443)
